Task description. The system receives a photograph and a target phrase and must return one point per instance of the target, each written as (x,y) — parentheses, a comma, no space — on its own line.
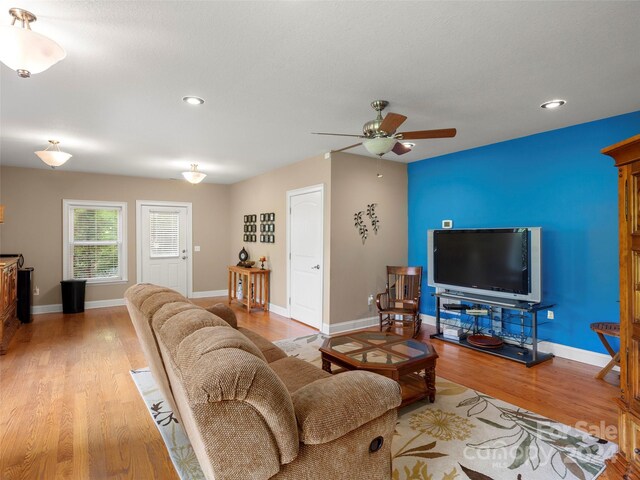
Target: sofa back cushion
(237,401)
(135,297)
(149,304)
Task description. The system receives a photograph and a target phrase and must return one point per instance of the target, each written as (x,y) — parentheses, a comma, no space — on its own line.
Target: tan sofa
(252,412)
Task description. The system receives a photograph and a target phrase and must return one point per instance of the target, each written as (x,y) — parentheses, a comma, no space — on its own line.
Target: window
(94,244)
(164,234)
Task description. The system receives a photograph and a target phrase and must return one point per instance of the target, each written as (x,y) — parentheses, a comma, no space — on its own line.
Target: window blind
(95,243)
(164,234)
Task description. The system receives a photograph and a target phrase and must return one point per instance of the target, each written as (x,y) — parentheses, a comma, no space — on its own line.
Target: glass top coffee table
(394,356)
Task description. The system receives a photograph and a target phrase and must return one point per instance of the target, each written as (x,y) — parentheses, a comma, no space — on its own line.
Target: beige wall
(33,223)
(352,270)
(268,193)
(357,269)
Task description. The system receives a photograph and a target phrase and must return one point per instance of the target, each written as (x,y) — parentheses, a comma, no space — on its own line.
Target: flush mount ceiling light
(551,104)
(193,175)
(24,50)
(408,144)
(193,100)
(379,145)
(54,158)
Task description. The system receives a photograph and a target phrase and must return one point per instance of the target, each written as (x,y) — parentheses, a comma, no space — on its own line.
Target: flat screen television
(489,262)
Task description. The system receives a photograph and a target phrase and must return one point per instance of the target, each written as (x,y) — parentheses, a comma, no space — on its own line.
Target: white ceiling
(272,72)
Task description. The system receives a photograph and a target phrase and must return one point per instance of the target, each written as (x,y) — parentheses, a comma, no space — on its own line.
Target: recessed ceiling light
(551,104)
(408,144)
(193,100)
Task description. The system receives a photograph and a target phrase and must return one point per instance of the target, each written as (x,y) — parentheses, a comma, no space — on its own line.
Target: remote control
(454,306)
(477,311)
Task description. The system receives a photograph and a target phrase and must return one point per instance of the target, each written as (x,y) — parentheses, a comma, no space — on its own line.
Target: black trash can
(25,294)
(73,295)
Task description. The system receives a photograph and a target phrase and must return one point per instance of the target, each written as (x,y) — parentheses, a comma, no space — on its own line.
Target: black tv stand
(520,348)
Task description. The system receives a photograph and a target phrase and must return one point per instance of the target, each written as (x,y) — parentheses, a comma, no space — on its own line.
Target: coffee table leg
(430,382)
(326,365)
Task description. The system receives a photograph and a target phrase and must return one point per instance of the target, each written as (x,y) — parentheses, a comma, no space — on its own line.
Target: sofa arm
(332,407)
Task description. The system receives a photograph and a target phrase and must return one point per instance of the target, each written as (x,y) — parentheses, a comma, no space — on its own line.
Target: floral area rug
(463,435)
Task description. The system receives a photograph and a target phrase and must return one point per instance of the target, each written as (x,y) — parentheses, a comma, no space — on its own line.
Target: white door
(306,256)
(163,246)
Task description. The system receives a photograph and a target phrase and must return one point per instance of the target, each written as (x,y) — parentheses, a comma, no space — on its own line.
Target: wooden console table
(255,287)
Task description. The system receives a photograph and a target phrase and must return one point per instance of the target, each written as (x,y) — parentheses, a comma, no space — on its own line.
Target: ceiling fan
(380,135)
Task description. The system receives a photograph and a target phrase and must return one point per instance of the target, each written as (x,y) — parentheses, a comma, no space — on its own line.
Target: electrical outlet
(550,315)
(36,291)
(196,248)
(370,300)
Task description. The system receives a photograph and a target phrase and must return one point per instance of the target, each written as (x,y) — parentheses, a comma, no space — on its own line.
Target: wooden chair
(613,330)
(401,298)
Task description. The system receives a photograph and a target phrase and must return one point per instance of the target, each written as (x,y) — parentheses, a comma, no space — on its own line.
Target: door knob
(184,257)
(317,267)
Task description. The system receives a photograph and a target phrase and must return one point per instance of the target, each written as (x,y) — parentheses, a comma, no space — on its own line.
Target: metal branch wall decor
(371,213)
(358,219)
(359,224)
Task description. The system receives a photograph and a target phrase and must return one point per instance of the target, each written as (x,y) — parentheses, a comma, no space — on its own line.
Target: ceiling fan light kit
(380,135)
(379,145)
(54,157)
(24,50)
(193,175)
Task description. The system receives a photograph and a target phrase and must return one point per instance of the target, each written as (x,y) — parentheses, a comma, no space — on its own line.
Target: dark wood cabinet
(626,154)
(8,301)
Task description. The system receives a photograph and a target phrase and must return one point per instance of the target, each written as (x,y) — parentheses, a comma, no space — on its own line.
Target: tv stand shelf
(525,351)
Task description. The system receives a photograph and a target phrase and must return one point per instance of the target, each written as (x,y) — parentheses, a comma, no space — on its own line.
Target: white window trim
(124,259)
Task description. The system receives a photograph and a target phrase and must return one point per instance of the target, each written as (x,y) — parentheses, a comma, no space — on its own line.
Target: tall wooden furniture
(255,287)
(401,298)
(8,301)
(627,159)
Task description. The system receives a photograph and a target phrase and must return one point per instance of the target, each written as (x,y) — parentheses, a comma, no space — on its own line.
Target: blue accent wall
(557,180)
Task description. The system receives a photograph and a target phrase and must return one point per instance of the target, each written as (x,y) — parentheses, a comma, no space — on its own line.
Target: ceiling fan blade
(347,148)
(338,134)
(391,122)
(422,134)
(400,149)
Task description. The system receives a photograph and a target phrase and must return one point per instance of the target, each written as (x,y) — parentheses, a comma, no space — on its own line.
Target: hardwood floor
(71,410)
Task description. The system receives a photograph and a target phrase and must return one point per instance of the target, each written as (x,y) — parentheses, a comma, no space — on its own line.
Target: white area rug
(463,435)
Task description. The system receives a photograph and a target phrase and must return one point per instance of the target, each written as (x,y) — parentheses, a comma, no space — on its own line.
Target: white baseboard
(559,350)
(278,310)
(333,328)
(116,302)
(210,293)
(577,354)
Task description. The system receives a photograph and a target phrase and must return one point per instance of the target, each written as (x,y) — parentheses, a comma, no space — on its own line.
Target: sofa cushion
(137,294)
(268,349)
(169,310)
(231,374)
(296,373)
(208,339)
(156,301)
(330,407)
(183,324)
(224,312)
